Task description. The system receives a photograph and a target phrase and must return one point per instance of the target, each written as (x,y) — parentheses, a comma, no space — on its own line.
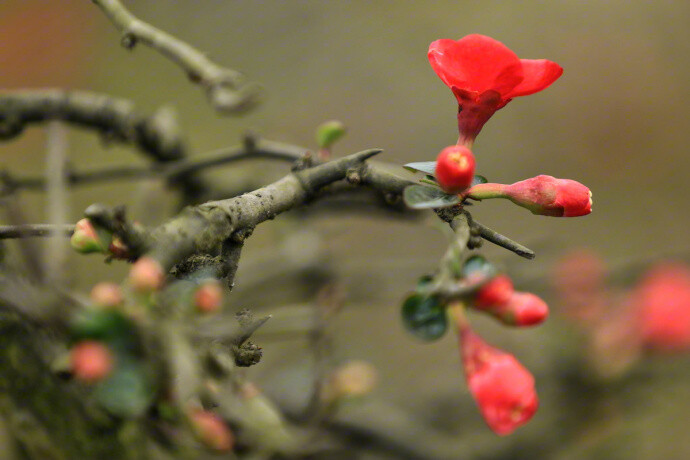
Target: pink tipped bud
(523,309)
(501,386)
(212,430)
(118,249)
(455,168)
(146,275)
(209,297)
(496,292)
(106,294)
(548,196)
(85,239)
(91,361)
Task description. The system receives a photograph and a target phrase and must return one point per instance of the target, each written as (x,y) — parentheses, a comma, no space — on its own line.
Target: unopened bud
(146,275)
(106,294)
(329,132)
(212,430)
(86,239)
(523,309)
(455,168)
(91,361)
(495,293)
(208,298)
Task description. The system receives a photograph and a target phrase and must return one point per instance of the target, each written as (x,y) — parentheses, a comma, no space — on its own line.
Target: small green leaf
(479,179)
(476,264)
(428,167)
(424,317)
(329,132)
(422,197)
(108,326)
(127,392)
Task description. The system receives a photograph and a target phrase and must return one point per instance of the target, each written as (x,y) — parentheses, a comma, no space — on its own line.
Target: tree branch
(225,88)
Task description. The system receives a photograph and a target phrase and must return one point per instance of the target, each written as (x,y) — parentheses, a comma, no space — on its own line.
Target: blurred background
(616,121)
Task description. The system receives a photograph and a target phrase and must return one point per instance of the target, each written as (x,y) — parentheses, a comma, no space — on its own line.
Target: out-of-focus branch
(225,88)
(31,230)
(158,136)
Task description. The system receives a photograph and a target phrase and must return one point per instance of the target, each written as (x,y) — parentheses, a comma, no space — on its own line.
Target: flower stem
(486,191)
(456,312)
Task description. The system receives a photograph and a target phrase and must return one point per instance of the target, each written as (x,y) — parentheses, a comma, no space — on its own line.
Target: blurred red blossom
(502,387)
(484,76)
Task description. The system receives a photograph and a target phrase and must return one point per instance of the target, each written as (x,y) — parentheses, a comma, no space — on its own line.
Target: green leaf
(422,197)
(108,326)
(427,167)
(475,264)
(329,132)
(127,392)
(424,317)
(479,179)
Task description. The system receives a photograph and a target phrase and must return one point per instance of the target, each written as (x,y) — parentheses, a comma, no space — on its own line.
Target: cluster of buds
(653,315)
(484,75)
(89,238)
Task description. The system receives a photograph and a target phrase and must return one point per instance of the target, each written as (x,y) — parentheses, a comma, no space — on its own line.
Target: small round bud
(118,249)
(86,239)
(146,275)
(524,309)
(355,378)
(91,361)
(455,168)
(106,294)
(212,430)
(208,298)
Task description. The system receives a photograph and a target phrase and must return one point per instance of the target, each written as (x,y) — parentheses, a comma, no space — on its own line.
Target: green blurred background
(616,121)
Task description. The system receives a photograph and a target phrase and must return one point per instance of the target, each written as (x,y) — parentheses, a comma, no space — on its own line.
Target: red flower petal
(538,75)
(476,63)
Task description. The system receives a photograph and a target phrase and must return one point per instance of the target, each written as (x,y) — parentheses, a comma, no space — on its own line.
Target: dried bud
(455,168)
(355,378)
(146,275)
(87,240)
(91,361)
(208,297)
(106,294)
(118,249)
(502,387)
(496,292)
(212,430)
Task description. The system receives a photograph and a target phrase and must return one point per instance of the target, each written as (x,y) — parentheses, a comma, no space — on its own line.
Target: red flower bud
(484,76)
(106,294)
(548,196)
(502,387)
(91,361)
(523,309)
(209,297)
(146,275)
(496,292)
(663,299)
(455,168)
(118,249)
(212,430)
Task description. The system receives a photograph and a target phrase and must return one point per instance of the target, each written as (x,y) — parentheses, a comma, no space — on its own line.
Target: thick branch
(224,87)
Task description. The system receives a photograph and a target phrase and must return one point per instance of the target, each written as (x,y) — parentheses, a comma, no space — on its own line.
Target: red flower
(663,299)
(212,430)
(455,168)
(543,195)
(484,76)
(502,387)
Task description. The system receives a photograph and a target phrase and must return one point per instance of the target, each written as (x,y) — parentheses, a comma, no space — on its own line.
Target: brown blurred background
(616,121)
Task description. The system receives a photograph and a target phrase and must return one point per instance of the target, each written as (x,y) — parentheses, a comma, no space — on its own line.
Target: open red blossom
(663,299)
(502,387)
(484,76)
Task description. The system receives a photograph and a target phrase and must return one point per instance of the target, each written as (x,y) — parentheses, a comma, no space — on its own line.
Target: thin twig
(33,230)
(225,88)
(503,241)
